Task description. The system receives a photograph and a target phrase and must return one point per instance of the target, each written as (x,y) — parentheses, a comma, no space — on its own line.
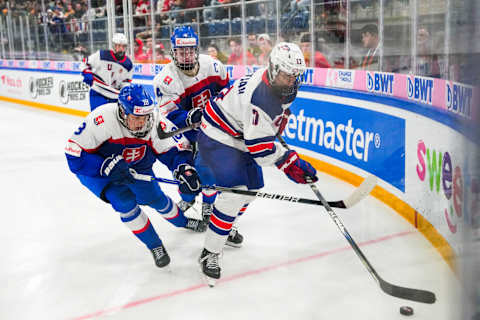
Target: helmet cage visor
(185,58)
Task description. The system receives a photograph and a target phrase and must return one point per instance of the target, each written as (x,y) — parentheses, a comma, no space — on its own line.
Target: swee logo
(420,89)
(459,98)
(439,170)
(380,82)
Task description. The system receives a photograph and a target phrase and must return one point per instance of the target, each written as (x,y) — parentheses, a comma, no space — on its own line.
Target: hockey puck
(406,311)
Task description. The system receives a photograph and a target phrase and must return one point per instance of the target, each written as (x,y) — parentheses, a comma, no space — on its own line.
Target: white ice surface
(66,255)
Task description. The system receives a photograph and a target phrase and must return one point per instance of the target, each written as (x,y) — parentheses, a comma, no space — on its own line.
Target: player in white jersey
(107,71)
(237,137)
(117,138)
(183,88)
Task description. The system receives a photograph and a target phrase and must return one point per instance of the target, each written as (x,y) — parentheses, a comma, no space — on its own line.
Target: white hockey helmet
(119,38)
(288,58)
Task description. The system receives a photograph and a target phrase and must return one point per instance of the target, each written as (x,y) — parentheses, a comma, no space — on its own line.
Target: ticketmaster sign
(372,141)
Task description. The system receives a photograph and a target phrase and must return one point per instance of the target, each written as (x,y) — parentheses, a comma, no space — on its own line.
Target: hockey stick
(357,195)
(164,135)
(393,290)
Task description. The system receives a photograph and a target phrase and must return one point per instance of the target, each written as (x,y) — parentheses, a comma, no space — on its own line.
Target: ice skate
(161,257)
(234,239)
(210,267)
(196,225)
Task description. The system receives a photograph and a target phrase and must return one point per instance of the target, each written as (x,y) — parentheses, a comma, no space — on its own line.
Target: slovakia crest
(132,155)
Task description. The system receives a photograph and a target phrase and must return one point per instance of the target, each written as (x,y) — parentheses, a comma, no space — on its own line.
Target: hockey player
(183,88)
(117,138)
(239,127)
(107,72)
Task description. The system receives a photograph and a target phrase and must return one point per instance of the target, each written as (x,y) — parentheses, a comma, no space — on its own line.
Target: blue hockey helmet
(136,104)
(184,50)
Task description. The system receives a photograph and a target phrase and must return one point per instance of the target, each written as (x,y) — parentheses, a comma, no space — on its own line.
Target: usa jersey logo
(134,154)
(98,120)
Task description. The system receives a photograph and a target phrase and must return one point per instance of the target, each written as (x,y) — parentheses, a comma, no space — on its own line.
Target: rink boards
(413,133)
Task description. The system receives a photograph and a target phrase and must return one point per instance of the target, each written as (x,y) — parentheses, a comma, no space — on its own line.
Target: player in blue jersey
(183,88)
(117,138)
(107,71)
(237,137)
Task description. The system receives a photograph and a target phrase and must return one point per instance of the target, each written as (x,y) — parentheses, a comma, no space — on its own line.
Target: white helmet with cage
(119,39)
(288,58)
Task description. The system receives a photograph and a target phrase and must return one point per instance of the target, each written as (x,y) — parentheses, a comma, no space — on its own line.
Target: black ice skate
(207,210)
(234,239)
(160,256)
(196,225)
(210,266)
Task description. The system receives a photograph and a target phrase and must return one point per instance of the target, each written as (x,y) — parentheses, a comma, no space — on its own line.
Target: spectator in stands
(221,12)
(161,57)
(79,11)
(139,55)
(371,42)
(253,47)
(214,52)
(236,57)
(319,61)
(265,44)
(177,17)
(427,61)
(192,15)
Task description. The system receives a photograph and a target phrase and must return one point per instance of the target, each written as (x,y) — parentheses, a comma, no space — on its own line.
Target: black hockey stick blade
(164,135)
(417,295)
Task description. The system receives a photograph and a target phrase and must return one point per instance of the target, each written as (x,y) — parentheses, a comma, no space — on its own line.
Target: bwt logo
(307,76)
(76,66)
(420,89)
(61,65)
(138,68)
(11,63)
(156,68)
(46,64)
(459,99)
(380,82)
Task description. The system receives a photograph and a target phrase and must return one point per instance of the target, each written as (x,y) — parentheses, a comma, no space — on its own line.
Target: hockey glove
(87,77)
(188,177)
(194,116)
(296,169)
(116,169)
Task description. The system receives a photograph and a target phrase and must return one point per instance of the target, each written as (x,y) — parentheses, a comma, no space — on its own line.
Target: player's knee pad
(121,198)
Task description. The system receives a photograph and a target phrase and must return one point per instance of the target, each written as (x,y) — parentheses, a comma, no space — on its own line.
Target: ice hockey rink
(66,255)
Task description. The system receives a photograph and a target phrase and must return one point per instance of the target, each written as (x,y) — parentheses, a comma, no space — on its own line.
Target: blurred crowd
(68,23)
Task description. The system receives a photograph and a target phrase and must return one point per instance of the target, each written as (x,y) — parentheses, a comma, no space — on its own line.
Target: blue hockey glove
(296,169)
(116,169)
(87,77)
(194,116)
(188,177)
